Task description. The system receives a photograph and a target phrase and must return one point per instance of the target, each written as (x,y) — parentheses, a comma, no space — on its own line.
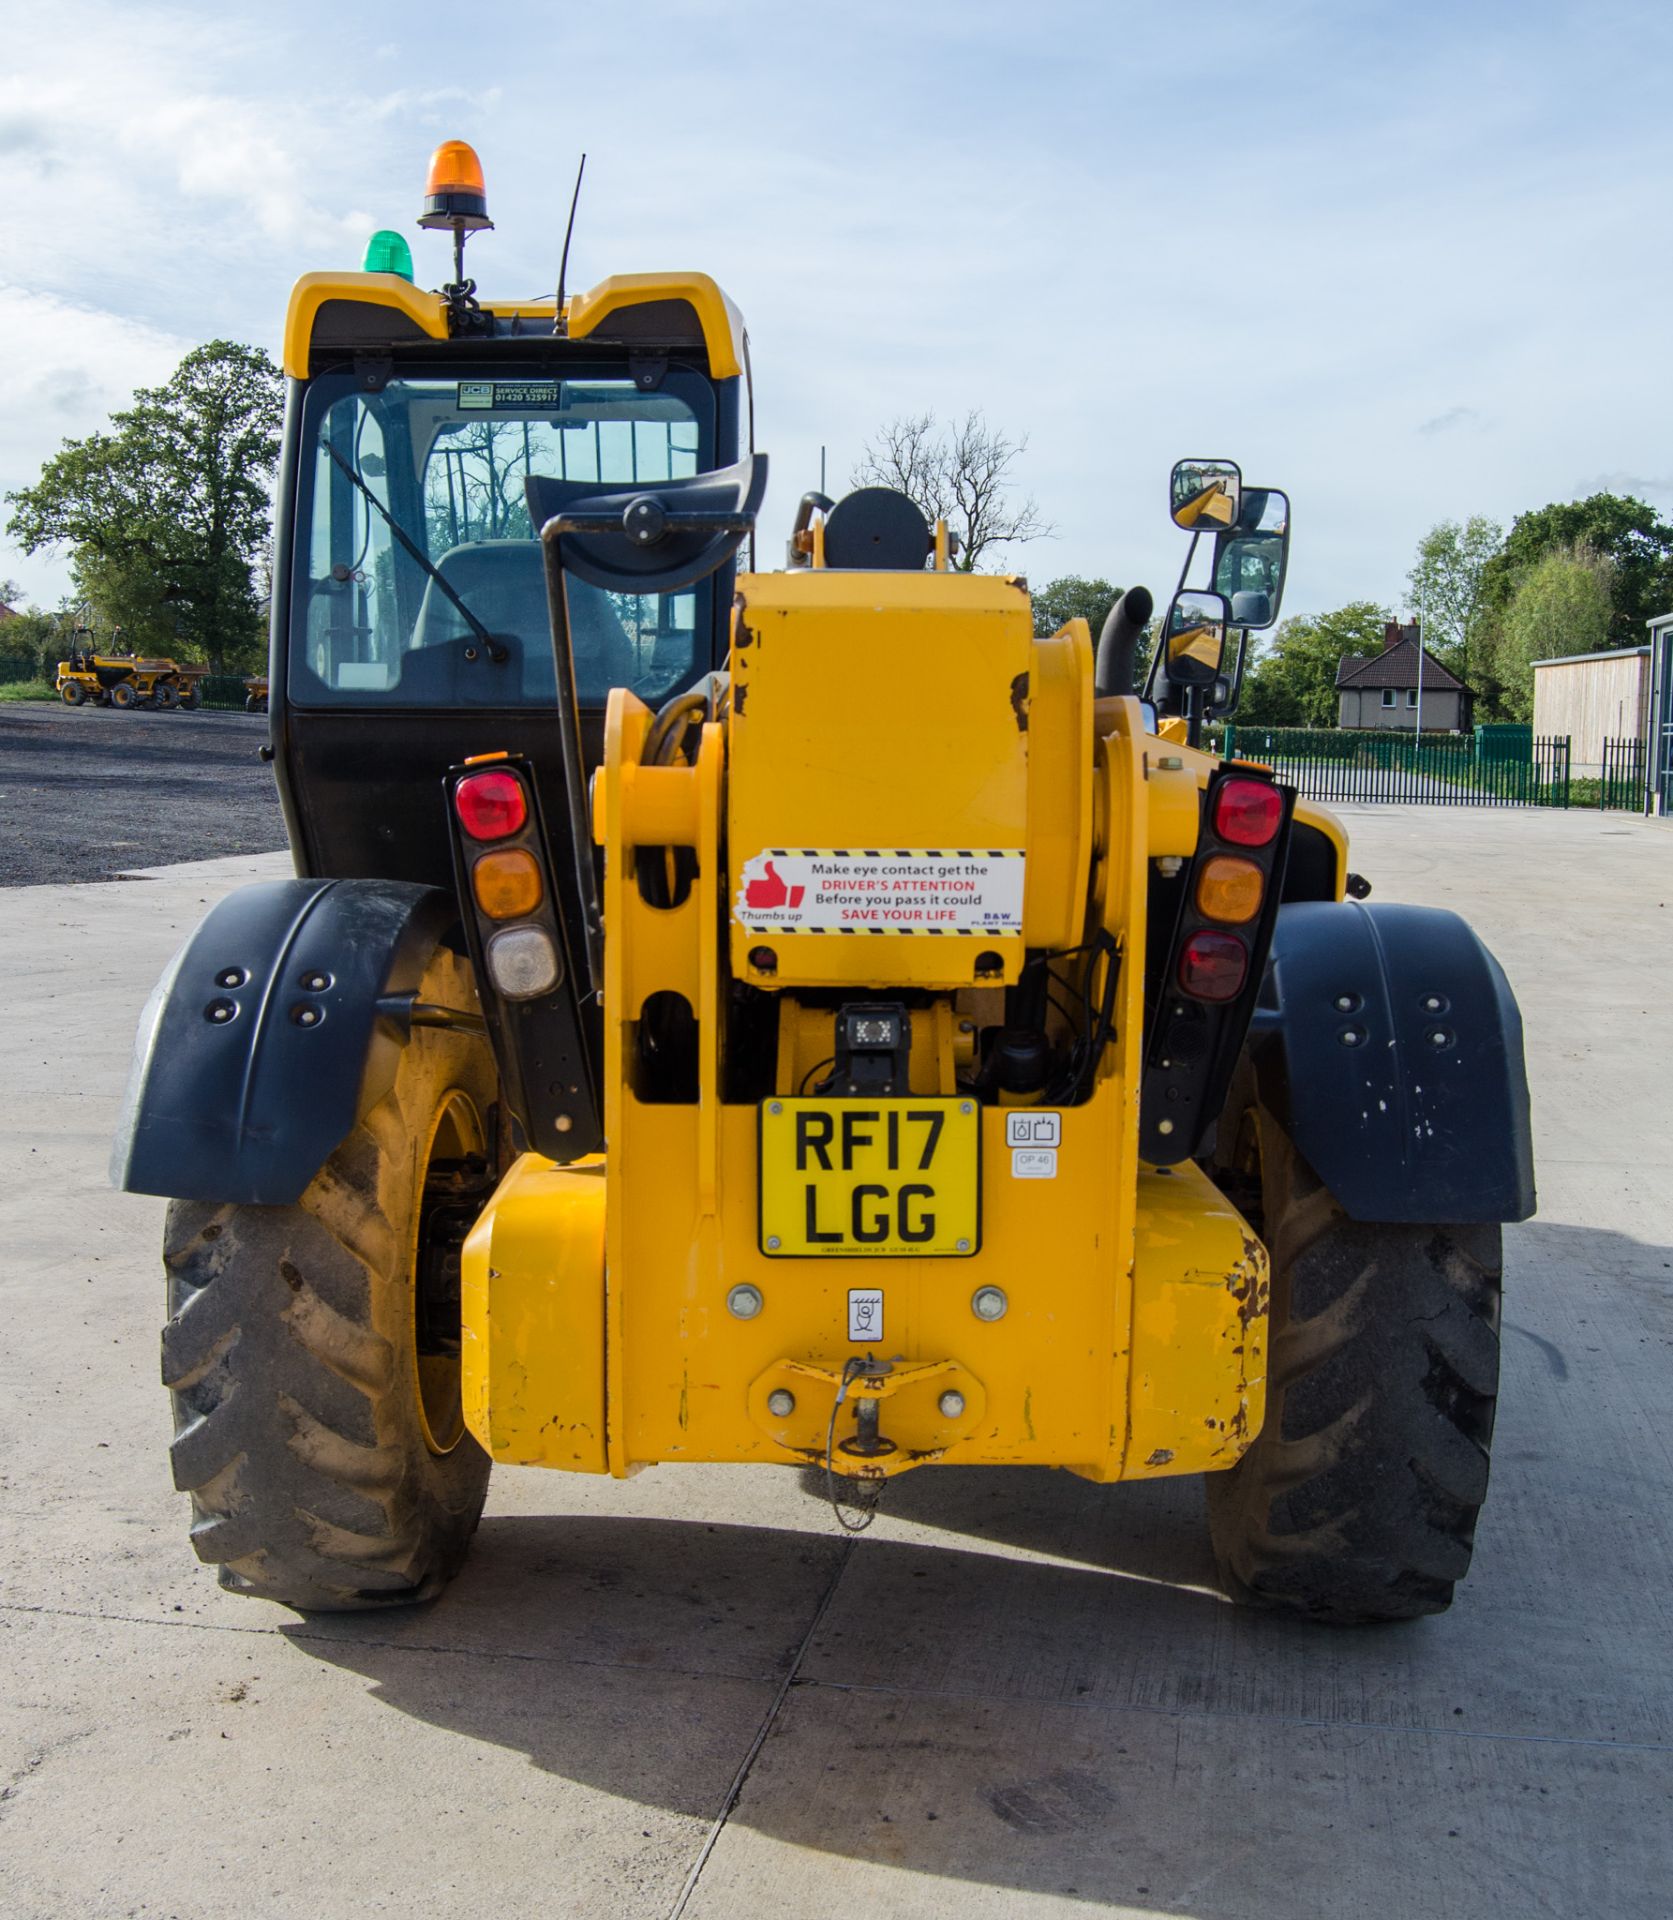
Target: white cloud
(64,368)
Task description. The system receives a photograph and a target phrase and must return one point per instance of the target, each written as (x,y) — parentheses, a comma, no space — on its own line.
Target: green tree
(1447,583)
(1073,597)
(1614,527)
(33,639)
(1076,597)
(1293,681)
(168,514)
(1563,605)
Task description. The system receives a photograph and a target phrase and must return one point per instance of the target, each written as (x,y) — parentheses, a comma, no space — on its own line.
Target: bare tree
(960,474)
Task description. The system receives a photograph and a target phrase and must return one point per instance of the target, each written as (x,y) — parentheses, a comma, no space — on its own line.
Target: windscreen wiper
(496,650)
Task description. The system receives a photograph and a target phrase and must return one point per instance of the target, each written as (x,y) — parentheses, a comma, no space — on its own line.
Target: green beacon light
(387,252)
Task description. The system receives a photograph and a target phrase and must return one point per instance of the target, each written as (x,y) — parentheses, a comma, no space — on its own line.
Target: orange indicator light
(507,884)
(1229,889)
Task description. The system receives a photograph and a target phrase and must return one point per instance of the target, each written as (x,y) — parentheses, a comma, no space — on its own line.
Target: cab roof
(347,312)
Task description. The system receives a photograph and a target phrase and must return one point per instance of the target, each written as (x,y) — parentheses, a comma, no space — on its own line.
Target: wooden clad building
(1593,697)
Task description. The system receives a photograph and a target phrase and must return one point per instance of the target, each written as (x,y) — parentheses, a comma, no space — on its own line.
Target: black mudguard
(247,1106)
(1388,1045)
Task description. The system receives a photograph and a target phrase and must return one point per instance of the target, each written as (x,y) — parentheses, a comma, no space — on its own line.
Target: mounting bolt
(1164,1126)
(964,1106)
(563,1123)
(773,1243)
(781,1403)
(964,1246)
(231,977)
(775,1106)
(1346,1002)
(744,1303)
(1168,864)
(1352,1036)
(989,1303)
(951,1403)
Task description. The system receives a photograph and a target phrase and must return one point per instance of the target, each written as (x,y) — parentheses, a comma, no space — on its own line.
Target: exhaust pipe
(1119,641)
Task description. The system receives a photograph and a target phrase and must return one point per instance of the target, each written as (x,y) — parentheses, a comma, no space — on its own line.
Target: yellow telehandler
(795,1017)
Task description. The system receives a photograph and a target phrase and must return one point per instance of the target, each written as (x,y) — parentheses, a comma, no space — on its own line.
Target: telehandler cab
(797,1017)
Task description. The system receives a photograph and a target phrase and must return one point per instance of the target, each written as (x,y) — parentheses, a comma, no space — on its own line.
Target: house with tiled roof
(1381,689)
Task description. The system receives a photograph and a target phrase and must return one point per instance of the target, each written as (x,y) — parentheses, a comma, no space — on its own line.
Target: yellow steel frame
(598,1335)
(721,323)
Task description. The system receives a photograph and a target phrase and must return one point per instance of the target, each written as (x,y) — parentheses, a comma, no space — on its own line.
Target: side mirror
(1250,558)
(1195,634)
(1205,495)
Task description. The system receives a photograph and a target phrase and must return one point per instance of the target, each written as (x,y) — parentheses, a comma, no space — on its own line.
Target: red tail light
(1247,813)
(1213,966)
(490,805)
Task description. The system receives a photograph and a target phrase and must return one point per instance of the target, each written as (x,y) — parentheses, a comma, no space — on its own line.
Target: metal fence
(224,692)
(1621,782)
(1447,769)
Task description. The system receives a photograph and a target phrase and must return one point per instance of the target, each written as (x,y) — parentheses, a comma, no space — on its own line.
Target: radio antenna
(559,323)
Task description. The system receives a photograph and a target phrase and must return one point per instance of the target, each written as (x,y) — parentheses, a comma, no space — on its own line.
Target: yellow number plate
(857,1177)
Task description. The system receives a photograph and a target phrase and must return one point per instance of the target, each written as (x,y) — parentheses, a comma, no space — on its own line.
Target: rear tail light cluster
(1221,932)
(531,991)
(1229,890)
(507,881)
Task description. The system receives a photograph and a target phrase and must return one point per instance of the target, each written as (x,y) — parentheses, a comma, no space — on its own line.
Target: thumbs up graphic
(772,891)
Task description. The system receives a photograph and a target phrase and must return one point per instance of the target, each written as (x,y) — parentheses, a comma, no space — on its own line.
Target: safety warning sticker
(956,890)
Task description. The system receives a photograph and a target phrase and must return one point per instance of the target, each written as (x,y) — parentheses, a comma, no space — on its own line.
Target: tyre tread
(1358,1501)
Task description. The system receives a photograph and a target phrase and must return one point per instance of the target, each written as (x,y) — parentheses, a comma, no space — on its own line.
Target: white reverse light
(523,962)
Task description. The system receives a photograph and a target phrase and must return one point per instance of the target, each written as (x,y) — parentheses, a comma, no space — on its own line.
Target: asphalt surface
(87,793)
(1017,1696)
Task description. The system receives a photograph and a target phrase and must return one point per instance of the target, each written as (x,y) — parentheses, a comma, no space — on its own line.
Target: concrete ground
(1016,1695)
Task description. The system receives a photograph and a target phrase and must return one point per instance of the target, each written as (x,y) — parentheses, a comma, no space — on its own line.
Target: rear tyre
(166,697)
(1358,1501)
(124,695)
(75,694)
(192,698)
(312,1351)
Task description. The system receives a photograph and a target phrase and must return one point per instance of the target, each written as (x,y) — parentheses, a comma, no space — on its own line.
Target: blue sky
(1408,261)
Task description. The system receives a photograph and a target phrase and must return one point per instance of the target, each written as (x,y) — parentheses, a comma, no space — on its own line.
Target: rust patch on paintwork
(740,693)
(1249,1284)
(1159,1457)
(743,635)
(1019,701)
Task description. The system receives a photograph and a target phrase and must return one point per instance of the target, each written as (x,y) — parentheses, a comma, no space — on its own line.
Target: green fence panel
(1621,781)
(1504,740)
(224,692)
(1381,765)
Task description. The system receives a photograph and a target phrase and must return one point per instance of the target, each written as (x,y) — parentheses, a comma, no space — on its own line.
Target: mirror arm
(1155,679)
